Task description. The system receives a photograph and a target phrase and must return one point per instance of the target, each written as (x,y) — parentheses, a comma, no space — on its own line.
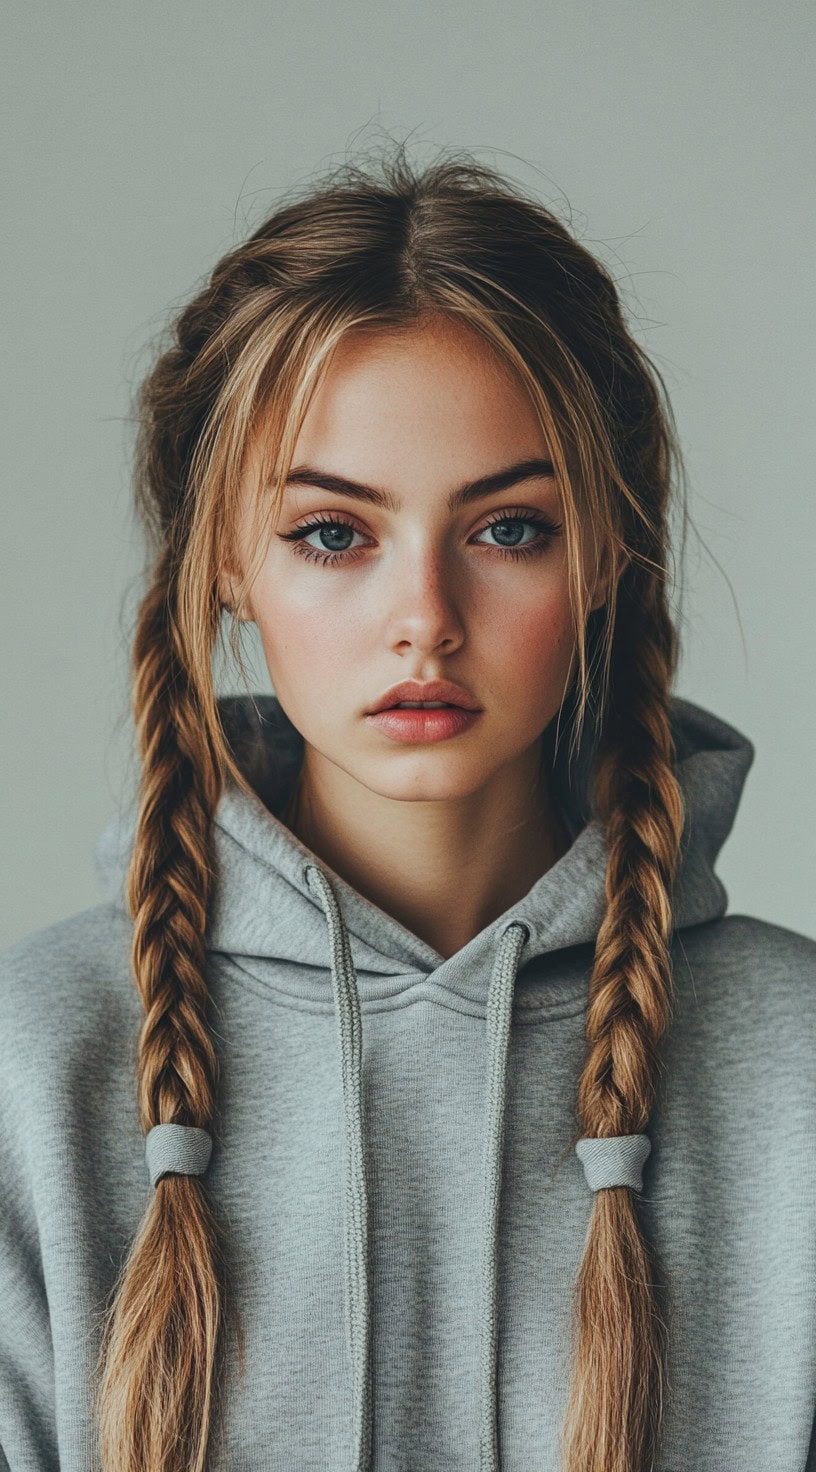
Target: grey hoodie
(393,1155)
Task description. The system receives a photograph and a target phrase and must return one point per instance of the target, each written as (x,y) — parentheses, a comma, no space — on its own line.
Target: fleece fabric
(393,1157)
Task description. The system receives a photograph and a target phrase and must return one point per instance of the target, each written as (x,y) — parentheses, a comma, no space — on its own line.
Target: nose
(422,603)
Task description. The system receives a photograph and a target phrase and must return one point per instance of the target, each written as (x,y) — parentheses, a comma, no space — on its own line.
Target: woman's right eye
(331,531)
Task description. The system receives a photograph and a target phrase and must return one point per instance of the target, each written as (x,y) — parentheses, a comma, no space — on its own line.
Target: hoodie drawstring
(358,1312)
(358,1315)
(499,1015)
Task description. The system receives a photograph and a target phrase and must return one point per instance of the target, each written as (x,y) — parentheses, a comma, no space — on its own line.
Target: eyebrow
(464,495)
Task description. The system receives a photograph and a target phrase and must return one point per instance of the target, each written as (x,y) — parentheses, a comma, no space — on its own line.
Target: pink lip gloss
(413,725)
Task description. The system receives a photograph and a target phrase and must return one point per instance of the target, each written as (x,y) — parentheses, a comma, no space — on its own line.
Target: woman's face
(405,586)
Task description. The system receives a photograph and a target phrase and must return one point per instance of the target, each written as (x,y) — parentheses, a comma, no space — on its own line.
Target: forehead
(438,387)
(418,413)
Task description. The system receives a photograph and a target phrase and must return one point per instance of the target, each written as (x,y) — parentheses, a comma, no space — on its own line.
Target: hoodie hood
(277,901)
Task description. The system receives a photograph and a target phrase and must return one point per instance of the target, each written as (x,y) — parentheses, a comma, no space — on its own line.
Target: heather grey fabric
(393,1156)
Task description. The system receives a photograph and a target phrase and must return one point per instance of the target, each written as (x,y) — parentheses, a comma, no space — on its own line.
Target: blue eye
(327,527)
(333,529)
(334,534)
(516,524)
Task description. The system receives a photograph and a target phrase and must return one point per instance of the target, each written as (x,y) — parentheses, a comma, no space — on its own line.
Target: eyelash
(547,528)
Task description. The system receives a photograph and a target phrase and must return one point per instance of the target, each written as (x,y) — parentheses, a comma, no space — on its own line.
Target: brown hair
(384,249)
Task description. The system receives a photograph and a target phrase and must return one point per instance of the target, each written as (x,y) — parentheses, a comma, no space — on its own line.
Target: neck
(444,870)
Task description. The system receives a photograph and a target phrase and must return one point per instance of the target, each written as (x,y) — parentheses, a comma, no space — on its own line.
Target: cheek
(301,633)
(533,634)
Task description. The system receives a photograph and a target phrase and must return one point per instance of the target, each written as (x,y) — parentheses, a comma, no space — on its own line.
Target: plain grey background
(143,140)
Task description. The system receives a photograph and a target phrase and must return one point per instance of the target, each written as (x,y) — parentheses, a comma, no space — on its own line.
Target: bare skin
(446,835)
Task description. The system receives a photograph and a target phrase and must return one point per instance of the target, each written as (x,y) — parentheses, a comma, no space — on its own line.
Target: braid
(619,1339)
(161,1338)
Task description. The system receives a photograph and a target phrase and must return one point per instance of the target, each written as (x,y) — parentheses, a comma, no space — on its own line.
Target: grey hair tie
(614,1160)
(177,1149)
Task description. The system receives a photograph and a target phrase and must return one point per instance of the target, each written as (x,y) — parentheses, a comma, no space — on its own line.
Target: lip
(414,726)
(446,690)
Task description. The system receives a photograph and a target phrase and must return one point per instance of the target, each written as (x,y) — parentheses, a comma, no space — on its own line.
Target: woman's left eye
(513,524)
(507,524)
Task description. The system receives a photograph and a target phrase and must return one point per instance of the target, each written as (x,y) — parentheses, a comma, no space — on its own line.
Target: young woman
(450,1123)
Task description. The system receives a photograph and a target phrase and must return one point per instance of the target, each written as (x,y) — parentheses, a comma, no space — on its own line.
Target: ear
(610,571)
(601,582)
(227,587)
(226,592)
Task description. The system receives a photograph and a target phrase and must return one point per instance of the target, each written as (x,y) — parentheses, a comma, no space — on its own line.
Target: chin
(425,786)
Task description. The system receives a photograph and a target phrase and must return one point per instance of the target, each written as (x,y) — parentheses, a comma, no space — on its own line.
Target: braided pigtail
(161,1338)
(619,1338)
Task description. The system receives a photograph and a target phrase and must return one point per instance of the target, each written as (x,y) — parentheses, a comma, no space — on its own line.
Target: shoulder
(70,980)
(68,947)
(750,969)
(743,938)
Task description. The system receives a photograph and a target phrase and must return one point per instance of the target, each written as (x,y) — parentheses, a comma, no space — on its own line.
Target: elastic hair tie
(177,1149)
(614,1160)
